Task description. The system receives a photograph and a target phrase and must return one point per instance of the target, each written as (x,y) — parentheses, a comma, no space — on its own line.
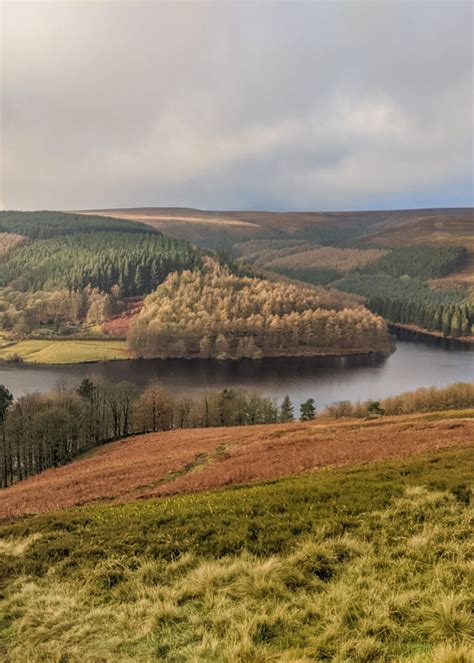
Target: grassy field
(64,351)
(191,460)
(351,565)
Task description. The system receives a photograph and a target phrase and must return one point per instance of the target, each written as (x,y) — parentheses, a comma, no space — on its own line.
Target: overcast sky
(304,106)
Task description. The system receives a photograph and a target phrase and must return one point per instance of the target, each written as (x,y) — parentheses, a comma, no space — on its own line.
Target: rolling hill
(223,229)
(190,460)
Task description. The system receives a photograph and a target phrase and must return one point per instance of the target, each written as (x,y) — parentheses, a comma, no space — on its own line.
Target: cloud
(236,105)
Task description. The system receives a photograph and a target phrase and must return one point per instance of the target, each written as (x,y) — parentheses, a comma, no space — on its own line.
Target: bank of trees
(39,431)
(410,301)
(426,399)
(214,313)
(135,262)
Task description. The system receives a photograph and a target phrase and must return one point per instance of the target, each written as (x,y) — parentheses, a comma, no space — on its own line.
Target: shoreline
(341,355)
(424,335)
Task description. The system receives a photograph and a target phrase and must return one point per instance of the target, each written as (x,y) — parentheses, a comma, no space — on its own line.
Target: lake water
(327,380)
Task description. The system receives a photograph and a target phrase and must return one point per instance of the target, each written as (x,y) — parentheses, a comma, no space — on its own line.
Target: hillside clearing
(190,460)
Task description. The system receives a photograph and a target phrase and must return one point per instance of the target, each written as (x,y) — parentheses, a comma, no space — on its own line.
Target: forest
(410,301)
(215,313)
(39,431)
(305,261)
(47,224)
(62,273)
(68,274)
(136,262)
(322,265)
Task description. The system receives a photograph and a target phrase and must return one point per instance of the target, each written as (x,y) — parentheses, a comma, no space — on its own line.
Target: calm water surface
(326,380)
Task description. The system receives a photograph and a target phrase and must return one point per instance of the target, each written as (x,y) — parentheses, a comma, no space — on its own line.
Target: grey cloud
(235,105)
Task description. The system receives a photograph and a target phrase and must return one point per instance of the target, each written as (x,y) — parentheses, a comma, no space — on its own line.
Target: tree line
(47,224)
(426,399)
(215,313)
(40,431)
(59,312)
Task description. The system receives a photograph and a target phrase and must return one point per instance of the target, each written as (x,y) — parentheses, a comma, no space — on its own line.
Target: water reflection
(327,379)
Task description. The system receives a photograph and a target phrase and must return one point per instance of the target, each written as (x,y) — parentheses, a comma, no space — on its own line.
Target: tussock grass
(346,566)
(17,547)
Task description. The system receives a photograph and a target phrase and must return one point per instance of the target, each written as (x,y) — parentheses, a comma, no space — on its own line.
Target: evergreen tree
(307,410)
(374,409)
(6,399)
(86,389)
(456,323)
(287,411)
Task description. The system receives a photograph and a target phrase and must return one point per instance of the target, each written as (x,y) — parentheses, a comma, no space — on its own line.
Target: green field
(369,563)
(64,351)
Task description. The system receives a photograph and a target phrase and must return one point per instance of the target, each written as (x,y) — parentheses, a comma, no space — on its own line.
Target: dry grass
(371,595)
(184,461)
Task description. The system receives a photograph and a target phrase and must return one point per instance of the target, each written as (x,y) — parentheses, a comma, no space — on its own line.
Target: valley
(170,506)
(424,258)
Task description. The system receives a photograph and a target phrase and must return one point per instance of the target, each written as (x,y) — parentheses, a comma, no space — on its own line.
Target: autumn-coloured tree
(215,313)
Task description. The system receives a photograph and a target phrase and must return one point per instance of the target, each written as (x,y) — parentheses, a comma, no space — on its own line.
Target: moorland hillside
(190,460)
(362,563)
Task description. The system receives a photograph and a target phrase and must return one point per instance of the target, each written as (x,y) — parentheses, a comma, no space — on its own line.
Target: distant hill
(432,247)
(223,229)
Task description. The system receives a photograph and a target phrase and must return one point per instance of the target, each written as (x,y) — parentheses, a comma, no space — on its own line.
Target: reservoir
(327,379)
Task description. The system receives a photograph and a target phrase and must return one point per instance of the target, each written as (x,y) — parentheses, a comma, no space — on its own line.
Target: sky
(236,105)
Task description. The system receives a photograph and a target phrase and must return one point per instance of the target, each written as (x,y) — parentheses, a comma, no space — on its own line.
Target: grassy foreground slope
(368,563)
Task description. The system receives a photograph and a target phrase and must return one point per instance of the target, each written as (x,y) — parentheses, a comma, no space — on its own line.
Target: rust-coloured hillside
(199,459)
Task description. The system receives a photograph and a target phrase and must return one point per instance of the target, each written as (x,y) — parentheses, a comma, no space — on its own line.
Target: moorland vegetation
(366,563)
